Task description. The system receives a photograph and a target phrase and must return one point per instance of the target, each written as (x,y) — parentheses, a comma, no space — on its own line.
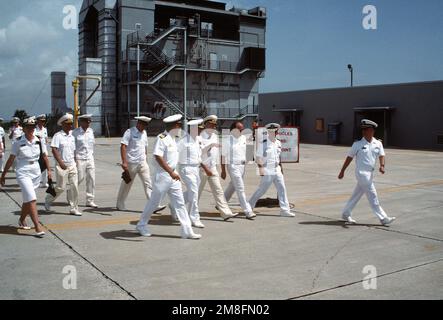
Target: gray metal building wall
(416,120)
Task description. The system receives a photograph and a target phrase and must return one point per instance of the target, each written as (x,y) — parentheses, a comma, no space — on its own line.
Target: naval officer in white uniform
(15,133)
(84,155)
(268,158)
(2,145)
(189,165)
(366,152)
(210,157)
(42,133)
(133,150)
(234,157)
(27,151)
(63,150)
(167,180)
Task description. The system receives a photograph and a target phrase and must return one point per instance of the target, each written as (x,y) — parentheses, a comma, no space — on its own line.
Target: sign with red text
(290,141)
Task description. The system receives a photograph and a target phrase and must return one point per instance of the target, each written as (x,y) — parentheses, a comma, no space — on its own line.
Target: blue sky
(309,44)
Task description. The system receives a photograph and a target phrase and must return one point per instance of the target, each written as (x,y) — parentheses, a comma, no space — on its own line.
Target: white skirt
(28,182)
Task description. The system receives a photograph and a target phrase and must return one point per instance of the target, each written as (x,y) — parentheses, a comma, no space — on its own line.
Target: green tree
(21,114)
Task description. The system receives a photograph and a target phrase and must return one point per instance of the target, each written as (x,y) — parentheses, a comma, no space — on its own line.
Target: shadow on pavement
(130,235)
(13,231)
(338,224)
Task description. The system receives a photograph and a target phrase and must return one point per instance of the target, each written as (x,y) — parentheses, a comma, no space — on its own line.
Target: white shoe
(44,186)
(287,214)
(228,216)
(250,215)
(143,231)
(121,208)
(348,219)
(75,212)
(198,224)
(188,233)
(388,220)
(40,234)
(92,205)
(23,226)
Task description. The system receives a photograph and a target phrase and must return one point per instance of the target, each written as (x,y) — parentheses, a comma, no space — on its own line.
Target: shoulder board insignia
(162,136)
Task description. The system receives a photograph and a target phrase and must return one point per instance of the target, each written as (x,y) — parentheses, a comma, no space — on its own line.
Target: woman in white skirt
(26,151)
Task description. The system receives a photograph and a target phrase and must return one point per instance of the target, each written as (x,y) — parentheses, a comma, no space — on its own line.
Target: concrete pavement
(313,256)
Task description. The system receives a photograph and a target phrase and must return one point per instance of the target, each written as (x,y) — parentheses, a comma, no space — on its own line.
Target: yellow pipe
(76,86)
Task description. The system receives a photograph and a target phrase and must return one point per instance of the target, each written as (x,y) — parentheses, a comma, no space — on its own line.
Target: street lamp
(351,70)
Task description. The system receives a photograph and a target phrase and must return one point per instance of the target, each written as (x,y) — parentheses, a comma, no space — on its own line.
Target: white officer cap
(212,119)
(85,116)
(365,123)
(29,121)
(68,118)
(41,117)
(196,122)
(174,118)
(1,119)
(143,119)
(273,126)
(15,119)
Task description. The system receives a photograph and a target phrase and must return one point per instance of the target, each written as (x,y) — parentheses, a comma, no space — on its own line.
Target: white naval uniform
(166,147)
(189,170)
(17,132)
(84,155)
(210,158)
(65,143)
(136,143)
(234,152)
(28,171)
(269,152)
(43,135)
(2,149)
(366,155)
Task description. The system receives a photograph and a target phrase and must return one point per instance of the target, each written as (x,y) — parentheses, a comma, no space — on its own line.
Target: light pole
(351,70)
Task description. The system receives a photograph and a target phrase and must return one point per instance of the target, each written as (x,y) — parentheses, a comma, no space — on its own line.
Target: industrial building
(409,115)
(156,58)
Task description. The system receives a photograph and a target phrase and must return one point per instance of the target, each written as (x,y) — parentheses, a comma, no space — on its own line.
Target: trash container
(334,132)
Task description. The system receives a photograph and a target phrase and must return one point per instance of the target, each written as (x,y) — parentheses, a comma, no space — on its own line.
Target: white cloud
(22,34)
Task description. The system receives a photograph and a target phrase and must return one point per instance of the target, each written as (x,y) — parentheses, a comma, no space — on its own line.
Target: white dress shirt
(366,154)
(189,151)
(166,147)
(84,143)
(210,156)
(65,143)
(234,149)
(136,143)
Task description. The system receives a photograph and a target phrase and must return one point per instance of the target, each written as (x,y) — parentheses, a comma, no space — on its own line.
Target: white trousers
(63,178)
(365,185)
(216,189)
(265,183)
(164,184)
(190,176)
(237,173)
(142,170)
(44,178)
(86,170)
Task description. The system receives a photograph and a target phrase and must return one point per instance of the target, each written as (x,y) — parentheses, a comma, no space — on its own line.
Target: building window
(207,29)
(320,125)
